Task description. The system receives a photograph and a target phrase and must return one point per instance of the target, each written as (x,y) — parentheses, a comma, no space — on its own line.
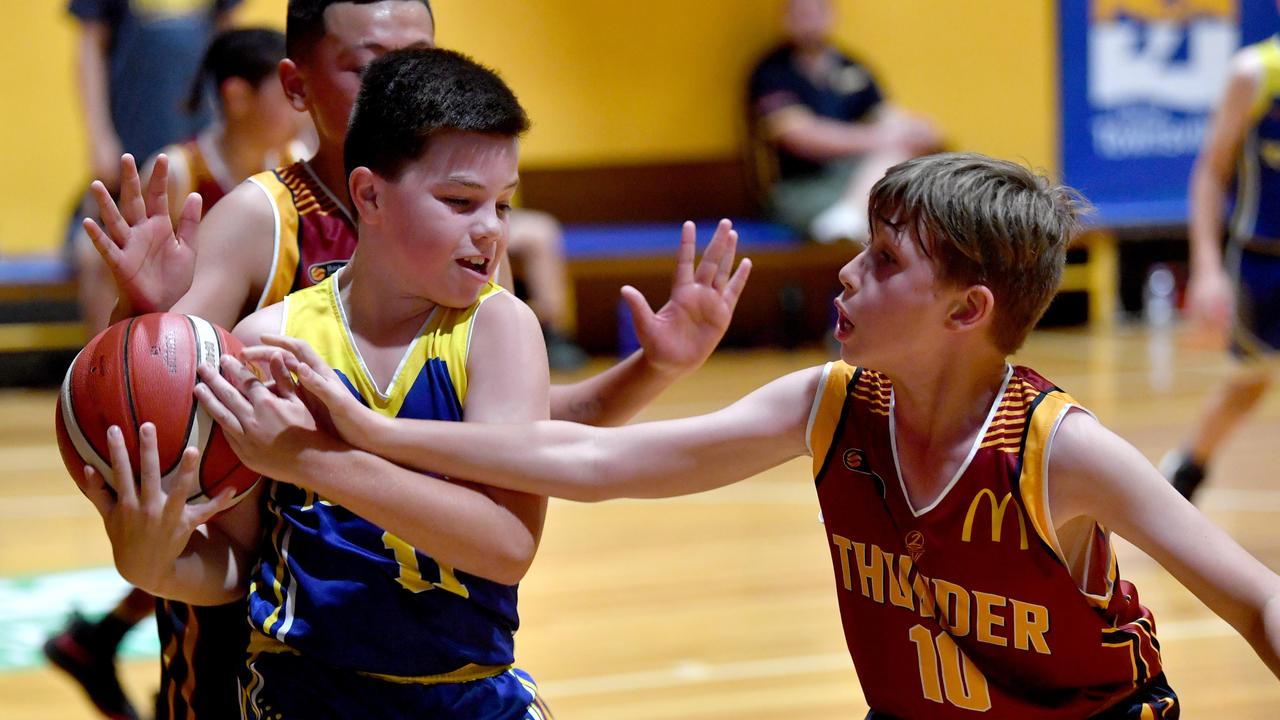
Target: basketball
(144,370)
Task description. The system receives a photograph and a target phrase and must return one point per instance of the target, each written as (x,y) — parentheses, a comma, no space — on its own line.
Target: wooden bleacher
(622,227)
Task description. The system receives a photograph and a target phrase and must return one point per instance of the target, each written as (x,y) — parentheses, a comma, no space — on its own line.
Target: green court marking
(34,608)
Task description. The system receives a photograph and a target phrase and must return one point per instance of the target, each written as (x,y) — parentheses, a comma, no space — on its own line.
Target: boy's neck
(945,404)
(938,412)
(328,166)
(374,308)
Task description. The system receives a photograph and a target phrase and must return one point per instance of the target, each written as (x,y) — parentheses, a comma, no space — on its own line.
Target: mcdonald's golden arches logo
(998,509)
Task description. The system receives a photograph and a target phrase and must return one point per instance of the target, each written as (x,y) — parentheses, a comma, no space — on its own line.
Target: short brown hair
(985,222)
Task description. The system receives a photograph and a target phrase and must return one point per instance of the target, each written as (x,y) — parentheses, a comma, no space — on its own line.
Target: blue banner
(1139,80)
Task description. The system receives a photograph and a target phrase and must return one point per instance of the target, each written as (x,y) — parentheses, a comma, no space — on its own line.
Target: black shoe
(94,670)
(1182,472)
(563,354)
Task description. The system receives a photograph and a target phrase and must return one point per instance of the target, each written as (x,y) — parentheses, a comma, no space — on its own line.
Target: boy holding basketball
(288,229)
(377,591)
(968,504)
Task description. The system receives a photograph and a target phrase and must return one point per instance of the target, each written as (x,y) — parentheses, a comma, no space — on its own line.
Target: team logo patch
(915,544)
(985,497)
(855,460)
(321,270)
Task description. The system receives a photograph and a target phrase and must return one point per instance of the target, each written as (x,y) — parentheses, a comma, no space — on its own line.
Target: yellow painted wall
(606,81)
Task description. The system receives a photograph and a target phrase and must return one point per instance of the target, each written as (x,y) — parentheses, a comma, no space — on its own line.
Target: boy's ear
(365,189)
(294,88)
(974,307)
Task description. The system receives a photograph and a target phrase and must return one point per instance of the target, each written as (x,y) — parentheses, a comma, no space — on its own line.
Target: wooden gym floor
(721,605)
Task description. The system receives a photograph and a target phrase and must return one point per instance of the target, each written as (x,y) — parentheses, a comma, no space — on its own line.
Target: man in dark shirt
(830,130)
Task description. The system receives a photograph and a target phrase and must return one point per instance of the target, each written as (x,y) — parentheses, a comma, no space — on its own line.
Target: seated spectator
(829,128)
(536,246)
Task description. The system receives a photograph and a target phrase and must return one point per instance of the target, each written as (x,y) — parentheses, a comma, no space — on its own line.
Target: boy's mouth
(844,325)
(478,264)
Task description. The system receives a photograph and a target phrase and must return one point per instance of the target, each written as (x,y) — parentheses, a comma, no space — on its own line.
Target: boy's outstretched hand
(152,264)
(684,332)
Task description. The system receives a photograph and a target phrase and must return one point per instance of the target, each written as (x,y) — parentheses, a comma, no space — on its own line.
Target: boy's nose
(848,275)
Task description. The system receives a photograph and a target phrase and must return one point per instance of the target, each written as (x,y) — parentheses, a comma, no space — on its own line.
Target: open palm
(151,263)
(682,334)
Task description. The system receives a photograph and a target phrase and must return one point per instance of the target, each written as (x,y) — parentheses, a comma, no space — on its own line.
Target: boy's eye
(457,202)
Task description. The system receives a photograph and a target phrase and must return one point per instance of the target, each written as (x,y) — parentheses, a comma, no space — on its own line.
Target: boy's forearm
(545,458)
(582,463)
(1207,207)
(1266,639)
(212,571)
(612,397)
(456,525)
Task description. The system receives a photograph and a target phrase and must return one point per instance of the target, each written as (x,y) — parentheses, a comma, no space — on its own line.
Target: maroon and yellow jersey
(200,175)
(197,166)
(314,234)
(975,603)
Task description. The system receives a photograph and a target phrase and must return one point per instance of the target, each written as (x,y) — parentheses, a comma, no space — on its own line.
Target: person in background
(134,65)
(1241,296)
(830,131)
(536,246)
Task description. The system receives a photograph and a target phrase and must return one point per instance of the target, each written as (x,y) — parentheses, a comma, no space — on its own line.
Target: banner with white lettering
(1139,80)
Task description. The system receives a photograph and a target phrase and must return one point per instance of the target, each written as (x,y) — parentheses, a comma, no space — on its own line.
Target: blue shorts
(285,686)
(1256,330)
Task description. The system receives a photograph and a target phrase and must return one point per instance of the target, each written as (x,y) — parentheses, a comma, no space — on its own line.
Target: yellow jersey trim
(260,644)
(828,405)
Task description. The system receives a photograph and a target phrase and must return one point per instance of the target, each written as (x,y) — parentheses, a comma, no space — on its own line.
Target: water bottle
(1159,296)
(1159,305)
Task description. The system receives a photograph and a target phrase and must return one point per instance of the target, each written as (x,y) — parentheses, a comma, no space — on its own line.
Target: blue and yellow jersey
(336,588)
(974,603)
(314,233)
(1256,217)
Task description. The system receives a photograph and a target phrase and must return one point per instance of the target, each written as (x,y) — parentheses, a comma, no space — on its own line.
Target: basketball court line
(694,672)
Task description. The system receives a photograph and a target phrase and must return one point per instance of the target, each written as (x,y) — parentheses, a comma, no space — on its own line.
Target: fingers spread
(733,290)
(116,226)
(686,254)
(726,261)
(105,246)
(156,199)
(641,314)
(132,206)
